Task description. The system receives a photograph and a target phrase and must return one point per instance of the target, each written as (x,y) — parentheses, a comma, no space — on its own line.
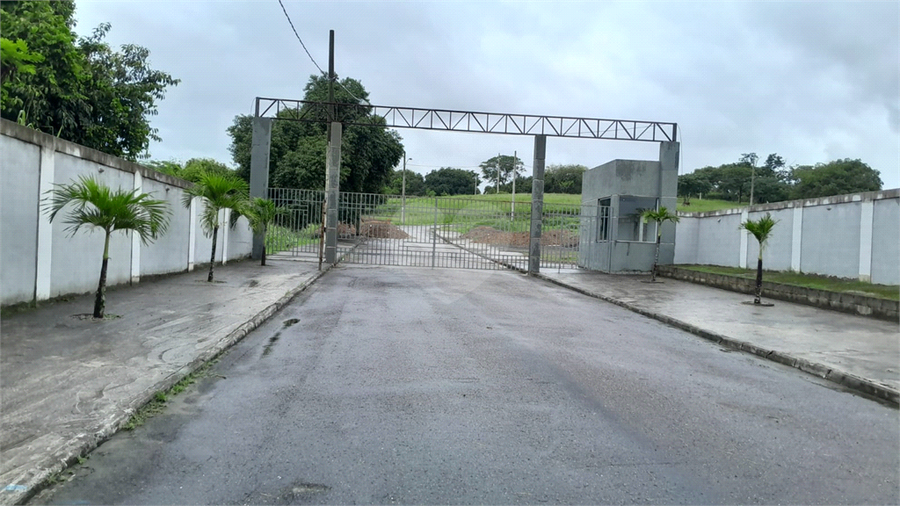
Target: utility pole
(403,193)
(512,210)
(498,173)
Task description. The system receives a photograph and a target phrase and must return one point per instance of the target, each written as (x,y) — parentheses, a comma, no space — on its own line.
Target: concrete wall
(847,236)
(41,260)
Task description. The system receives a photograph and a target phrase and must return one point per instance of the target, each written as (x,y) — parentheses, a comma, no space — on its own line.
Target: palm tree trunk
(263,259)
(758,300)
(100,300)
(655,258)
(212,256)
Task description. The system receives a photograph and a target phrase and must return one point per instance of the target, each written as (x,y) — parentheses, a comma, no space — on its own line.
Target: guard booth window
(603,220)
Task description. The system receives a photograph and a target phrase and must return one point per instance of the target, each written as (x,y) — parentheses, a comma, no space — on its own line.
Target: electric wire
(283,9)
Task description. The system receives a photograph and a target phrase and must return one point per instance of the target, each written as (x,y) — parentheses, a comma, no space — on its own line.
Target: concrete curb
(850,381)
(55,464)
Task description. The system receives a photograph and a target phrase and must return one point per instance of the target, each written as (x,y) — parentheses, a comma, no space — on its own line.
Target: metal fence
(437,232)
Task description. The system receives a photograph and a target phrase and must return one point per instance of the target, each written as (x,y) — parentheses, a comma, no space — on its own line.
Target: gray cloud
(811,81)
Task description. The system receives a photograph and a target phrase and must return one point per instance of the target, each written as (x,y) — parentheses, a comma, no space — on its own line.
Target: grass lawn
(697,205)
(702,206)
(891,292)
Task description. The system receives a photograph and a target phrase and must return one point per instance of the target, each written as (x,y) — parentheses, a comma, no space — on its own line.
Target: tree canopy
(79,89)
(499,170)
(450,181)
(775,182)
(297,149)
(564,178)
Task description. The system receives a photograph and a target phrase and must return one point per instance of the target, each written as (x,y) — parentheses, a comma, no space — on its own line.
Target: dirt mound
(490,235)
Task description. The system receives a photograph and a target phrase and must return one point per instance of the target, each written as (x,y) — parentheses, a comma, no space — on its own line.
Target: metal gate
(439,232)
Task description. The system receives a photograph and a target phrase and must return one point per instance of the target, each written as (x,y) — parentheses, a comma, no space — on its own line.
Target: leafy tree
(500,169)
(692,184)
(297,149)
(218,192)
(169,167)
(761,230)
(659,217)
(15,57)
(415,183)
(835,178)
(450,181)
(95,205)
(261,213)
(564,179)
(195,168)
(82,90)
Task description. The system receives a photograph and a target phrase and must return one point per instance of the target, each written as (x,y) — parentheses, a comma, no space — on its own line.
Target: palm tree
(95,205)
(659,216)
(218,191)
(261,213)
(761,229)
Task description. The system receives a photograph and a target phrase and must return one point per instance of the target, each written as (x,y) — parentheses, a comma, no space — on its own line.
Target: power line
(314,60)
(301,40)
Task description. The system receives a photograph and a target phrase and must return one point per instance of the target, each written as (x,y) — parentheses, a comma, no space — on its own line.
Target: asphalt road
(391,385)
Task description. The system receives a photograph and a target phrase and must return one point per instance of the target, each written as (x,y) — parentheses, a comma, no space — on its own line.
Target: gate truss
(467,121)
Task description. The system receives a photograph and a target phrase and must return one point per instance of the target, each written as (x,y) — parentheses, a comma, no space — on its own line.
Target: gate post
(332,190)
(537,204)
(259,171)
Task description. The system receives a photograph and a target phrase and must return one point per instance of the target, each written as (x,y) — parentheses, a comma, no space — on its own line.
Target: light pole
(403,193)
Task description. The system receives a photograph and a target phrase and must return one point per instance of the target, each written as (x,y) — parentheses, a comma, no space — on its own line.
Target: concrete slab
(69,382)
(852,348)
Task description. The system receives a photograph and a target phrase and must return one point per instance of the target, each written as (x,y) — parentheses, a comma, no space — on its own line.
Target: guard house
(614,238)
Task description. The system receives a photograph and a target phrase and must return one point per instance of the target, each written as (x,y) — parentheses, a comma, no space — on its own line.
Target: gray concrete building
(614,237)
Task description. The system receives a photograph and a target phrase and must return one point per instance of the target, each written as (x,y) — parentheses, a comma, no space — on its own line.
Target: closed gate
(445,232)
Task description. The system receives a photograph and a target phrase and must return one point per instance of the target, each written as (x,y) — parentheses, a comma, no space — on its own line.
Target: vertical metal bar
(434,234)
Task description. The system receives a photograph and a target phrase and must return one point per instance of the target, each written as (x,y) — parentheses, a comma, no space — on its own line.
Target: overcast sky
(811,81)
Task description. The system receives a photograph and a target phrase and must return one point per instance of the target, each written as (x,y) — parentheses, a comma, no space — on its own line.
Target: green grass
(702,206)
(280,238)
(158,403)
(831,284)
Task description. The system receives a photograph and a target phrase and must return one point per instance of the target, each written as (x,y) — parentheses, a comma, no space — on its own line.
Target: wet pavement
(69,382)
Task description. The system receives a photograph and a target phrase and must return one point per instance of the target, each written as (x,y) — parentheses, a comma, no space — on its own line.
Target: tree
(500,169)
(415,183)
(15,57)
(95,205)
(450,181)
(297,149)
(659,217)
(835,178)
(81,90)
(261,213)
(692,184)
(761,230)
(218,192)
(564,179)
(168,167)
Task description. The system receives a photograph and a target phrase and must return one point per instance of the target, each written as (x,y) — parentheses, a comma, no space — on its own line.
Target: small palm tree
(95,205)
(218,191)
(761,229)
(261,213)
(659,216)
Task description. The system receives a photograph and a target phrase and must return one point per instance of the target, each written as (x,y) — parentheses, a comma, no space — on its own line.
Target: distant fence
(847,236)
(38,259)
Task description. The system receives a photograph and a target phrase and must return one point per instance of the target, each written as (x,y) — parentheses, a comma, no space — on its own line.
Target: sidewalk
(68,382)
(861,353)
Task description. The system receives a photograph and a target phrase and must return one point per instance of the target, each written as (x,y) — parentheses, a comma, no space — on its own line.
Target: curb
(55,464)
(850,381)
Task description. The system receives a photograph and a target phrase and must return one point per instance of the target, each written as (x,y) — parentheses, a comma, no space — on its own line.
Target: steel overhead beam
(468,121)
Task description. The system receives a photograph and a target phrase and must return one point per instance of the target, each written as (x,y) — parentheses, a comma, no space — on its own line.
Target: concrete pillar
(136,238)
(259,171)
(44,227)
(537,204)
(226,226)
(669,155)
(742,255)
(332,190)
(867,215)
(192,233)
(796,237)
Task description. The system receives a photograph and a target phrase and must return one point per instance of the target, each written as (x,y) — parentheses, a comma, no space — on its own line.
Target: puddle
(272,340)
(288,323)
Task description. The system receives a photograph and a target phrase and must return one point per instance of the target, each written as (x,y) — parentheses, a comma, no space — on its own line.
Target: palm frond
(218,191)
(659,216)
(761,229)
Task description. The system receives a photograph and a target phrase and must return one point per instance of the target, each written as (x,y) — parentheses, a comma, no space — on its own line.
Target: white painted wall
(40,260)
(848,236)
